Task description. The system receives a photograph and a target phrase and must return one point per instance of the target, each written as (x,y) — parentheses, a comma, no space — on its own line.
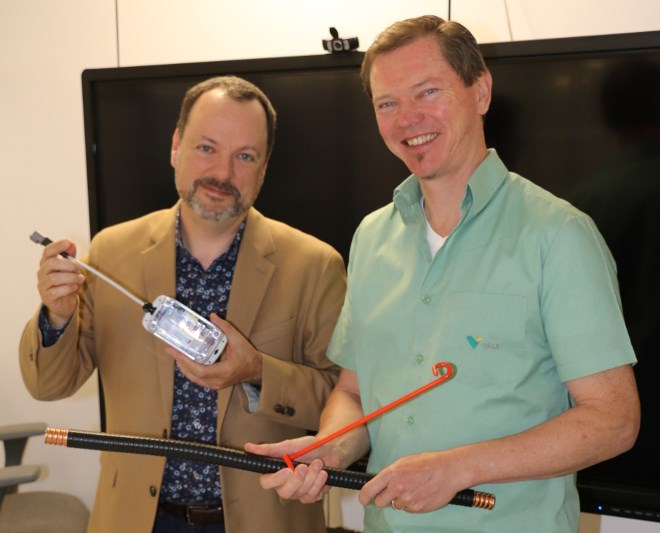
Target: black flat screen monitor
(579,116)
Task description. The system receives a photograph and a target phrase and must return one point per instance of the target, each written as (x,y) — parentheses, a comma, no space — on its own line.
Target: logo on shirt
(474,341)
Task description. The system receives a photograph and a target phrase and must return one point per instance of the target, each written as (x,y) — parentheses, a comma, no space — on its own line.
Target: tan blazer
(287,291)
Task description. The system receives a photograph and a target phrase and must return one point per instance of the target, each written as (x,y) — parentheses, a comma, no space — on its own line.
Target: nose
(222,167)
(408,114)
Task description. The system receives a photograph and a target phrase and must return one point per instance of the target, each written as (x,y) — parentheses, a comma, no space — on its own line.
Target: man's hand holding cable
(416,483)
(306,482)
(58,281)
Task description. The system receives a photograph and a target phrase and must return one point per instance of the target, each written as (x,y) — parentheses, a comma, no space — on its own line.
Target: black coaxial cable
(228,457)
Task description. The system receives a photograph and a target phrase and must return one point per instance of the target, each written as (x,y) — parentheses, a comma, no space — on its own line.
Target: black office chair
(33,512)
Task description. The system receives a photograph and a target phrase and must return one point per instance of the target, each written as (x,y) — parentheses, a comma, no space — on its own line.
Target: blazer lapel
(159,269)
(251,279)
(252,274)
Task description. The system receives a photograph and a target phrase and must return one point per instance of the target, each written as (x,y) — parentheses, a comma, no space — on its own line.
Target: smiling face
(426,115)
(220,160)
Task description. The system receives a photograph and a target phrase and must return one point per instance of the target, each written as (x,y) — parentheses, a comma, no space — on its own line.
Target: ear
(484,85)
(176,143)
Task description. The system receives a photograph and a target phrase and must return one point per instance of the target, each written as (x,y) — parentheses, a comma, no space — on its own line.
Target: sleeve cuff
(253,394)
(49,334)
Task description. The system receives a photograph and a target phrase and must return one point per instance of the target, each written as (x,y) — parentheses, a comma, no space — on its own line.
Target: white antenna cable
(45,241)
(167,318)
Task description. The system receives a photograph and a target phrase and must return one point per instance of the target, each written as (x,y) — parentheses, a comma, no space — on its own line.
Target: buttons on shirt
(410,420)
(153,491)
(419,358)
(426,299)
(284,409)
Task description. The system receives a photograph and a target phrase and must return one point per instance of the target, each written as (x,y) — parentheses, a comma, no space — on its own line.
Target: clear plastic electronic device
(168,319)
(184,329)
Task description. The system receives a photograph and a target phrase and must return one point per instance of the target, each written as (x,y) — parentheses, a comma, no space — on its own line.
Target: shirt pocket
(484,336)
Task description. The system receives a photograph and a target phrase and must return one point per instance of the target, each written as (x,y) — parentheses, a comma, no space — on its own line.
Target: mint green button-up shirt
(522,297)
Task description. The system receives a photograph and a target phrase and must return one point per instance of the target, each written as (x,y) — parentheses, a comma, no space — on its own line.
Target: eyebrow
(416,86)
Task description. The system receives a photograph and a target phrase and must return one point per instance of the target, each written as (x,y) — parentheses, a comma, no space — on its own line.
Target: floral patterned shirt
(195,408)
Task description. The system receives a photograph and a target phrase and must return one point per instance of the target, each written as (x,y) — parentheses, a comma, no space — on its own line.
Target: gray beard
(215,215)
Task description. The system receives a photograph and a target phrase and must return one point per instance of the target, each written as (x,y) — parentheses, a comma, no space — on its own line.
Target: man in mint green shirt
(473,265)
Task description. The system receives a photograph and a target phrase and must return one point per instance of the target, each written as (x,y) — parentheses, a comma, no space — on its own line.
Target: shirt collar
(233,248)
(482,185)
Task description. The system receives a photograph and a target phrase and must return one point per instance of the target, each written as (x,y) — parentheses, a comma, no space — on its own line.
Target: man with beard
(273,290)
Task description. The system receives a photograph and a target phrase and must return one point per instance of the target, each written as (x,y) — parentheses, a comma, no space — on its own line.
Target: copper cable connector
(483,500)
(56,436)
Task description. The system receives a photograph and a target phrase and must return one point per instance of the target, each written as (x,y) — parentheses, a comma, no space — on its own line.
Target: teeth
(416,141)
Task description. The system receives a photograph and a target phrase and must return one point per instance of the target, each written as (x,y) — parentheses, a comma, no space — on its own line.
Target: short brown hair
(456,43)
(236,88)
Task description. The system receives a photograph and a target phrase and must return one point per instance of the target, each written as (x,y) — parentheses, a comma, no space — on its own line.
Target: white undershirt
(435,240)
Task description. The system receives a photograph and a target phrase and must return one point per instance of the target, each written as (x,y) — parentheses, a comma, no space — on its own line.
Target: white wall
(205,31)
(46,45)
(538,19)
